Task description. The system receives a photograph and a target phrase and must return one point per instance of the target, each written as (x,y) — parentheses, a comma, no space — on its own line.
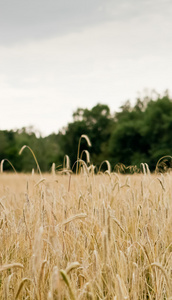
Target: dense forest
(136,134)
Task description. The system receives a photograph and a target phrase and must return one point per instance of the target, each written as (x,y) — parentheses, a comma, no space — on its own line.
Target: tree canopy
(136,134)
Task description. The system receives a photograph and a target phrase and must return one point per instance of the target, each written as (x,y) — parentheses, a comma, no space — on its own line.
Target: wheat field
(86,236)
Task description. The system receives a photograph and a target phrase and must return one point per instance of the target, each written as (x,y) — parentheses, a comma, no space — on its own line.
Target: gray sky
(56,56)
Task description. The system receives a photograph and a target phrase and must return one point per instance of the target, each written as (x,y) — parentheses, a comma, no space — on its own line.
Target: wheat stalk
(24,147)
(11,266)
(21,286)
(83,136)
(2,164)
(108,171)
(67,281)
(72,266)
(76,217)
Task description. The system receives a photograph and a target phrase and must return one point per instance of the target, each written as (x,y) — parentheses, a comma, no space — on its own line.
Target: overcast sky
(58,55)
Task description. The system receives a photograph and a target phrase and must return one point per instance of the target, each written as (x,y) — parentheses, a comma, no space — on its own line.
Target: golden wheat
(85,236)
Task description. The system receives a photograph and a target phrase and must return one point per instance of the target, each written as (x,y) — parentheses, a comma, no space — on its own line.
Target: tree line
(139,133)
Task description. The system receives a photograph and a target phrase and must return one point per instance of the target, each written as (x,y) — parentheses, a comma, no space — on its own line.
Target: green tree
(157,128)
(96,123)
(142,133)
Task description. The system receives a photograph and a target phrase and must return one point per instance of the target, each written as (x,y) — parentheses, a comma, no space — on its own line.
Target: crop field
(86,236)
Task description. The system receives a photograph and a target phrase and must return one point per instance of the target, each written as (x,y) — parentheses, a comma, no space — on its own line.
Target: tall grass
(107,237)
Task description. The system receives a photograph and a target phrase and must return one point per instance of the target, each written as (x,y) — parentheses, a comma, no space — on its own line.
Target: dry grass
(106,236)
